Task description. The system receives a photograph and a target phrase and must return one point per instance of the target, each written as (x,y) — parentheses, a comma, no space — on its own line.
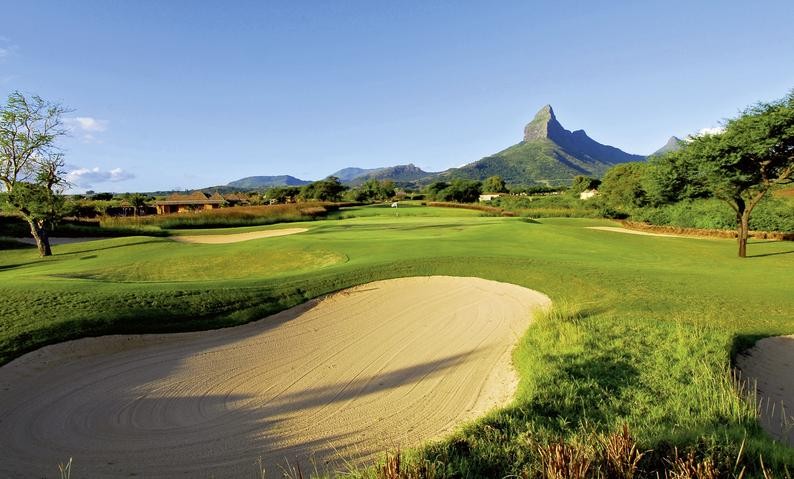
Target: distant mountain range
(548,154)
(267,181)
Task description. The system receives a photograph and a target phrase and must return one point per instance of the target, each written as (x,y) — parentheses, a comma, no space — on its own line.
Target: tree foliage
(31,166)
(623,186)
(283,194)
(461,191)
(373,190)
(582,183)
(494,184)
(738,166)
(329,189)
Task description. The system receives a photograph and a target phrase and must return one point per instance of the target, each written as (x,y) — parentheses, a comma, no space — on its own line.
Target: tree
(329,189)
(433,189)
(374,190)
(462,191)
(283,194)
(31,166)
(494,184)
(623,186)
(582,183)
(138,202)
(740,165)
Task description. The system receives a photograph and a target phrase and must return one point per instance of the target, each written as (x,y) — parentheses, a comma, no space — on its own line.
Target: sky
(188,94)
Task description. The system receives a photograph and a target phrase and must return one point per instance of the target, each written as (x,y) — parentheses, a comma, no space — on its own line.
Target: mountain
(673,144)
(349,174)
(251,182)
(549,154)
(398,174)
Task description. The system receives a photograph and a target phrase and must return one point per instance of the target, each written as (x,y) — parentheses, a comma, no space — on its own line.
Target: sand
(618,229)
(770,366)
(386,364)
(236,238)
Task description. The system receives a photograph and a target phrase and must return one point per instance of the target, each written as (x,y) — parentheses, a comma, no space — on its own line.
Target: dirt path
(770,365)
(237,237)
(373,367)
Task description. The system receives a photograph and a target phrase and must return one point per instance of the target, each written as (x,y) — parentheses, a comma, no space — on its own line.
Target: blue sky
(186,94)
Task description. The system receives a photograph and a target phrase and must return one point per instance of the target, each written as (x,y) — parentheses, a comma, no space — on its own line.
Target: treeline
(643,192)
(331,189)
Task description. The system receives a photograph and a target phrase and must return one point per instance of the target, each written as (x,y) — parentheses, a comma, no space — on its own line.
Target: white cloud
(86,123)
(710,131)
(87,177)
(86,127)
(717,130)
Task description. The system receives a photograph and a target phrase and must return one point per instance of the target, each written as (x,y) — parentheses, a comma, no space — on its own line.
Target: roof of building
(195,198)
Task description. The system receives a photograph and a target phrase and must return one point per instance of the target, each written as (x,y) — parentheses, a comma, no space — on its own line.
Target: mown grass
(642,334)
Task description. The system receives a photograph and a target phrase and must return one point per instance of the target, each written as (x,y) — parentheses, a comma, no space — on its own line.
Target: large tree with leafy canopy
(754,153)
(31,165)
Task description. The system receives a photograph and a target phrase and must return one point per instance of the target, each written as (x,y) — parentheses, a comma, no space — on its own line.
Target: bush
(772,214)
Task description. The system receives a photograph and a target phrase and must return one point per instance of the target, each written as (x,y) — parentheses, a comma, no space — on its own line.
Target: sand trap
(618,229)
(770,365)
(236,238)
(373,367)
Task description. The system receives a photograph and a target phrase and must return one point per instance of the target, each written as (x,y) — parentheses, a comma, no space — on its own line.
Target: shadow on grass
(770,254)
(742,343)
(136,243)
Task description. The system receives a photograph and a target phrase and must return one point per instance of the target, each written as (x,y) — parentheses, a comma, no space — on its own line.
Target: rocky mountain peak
(544,125)
(673,144)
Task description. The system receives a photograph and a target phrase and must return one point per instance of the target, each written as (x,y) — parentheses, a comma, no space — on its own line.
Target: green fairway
(644,330)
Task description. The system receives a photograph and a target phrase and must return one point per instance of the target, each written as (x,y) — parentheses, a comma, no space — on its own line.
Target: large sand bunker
(769,366)
(237,237)
(386,364)
(618,229)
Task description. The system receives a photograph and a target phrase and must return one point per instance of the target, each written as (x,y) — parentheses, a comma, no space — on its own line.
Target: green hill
(399,174)
(549,154)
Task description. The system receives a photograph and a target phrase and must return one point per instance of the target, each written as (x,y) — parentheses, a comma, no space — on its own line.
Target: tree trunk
(39,232)
(744,232)
(743,226)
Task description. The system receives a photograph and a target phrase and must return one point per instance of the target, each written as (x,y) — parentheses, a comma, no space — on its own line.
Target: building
(196,201)
(489,196)
(587,194)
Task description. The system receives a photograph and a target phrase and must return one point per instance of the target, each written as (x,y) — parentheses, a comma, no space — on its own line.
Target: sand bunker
(770,365)
(386,364)
(618,229)
(236,238)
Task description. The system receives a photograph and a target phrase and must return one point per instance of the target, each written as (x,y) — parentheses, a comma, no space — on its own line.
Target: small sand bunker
(386,364)
(769,365)
(237,237)
(618,229)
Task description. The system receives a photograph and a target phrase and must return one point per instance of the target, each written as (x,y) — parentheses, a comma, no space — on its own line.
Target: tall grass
(226,217)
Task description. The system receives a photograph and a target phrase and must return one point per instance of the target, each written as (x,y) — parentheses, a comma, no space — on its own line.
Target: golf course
(469,342)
